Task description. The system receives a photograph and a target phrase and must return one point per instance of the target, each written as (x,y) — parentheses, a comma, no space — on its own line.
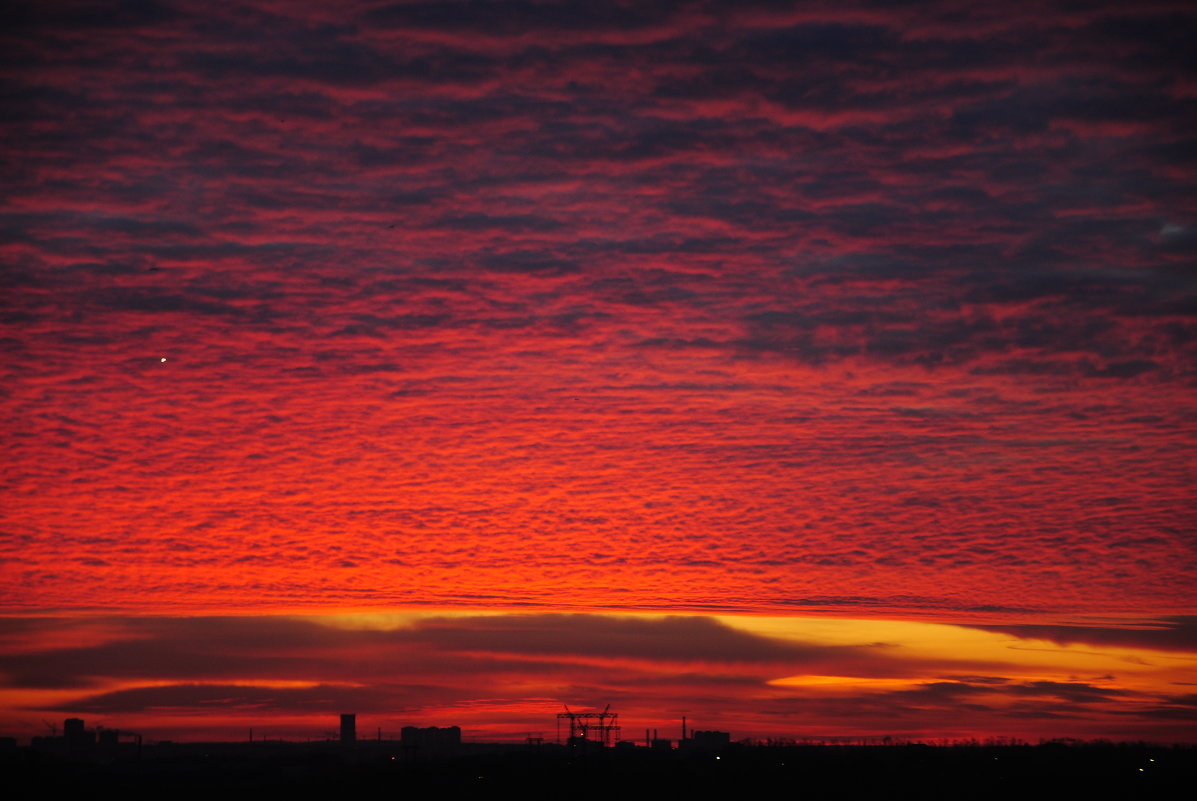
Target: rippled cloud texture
(753,307)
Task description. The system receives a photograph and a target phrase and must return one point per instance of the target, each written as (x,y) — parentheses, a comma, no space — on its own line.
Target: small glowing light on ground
(162,359)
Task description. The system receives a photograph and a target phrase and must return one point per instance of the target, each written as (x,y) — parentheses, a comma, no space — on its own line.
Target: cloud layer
(500,676)
(847,306)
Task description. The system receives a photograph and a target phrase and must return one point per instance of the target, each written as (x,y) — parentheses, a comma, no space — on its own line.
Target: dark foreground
(226,771)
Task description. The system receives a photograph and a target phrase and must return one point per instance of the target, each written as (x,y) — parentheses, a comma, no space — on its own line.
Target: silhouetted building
(430,739)
(76,736)
(349,729)
(708,741)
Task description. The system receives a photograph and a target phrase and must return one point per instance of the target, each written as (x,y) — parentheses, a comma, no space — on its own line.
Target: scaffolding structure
(599,728)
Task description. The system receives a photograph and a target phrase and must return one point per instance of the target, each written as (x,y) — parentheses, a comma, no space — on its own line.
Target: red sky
(813,370)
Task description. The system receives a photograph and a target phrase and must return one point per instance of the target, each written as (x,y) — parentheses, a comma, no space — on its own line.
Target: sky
(809,369)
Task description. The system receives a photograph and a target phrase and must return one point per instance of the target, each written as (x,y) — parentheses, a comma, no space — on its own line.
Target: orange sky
(812,372)
(504,675)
